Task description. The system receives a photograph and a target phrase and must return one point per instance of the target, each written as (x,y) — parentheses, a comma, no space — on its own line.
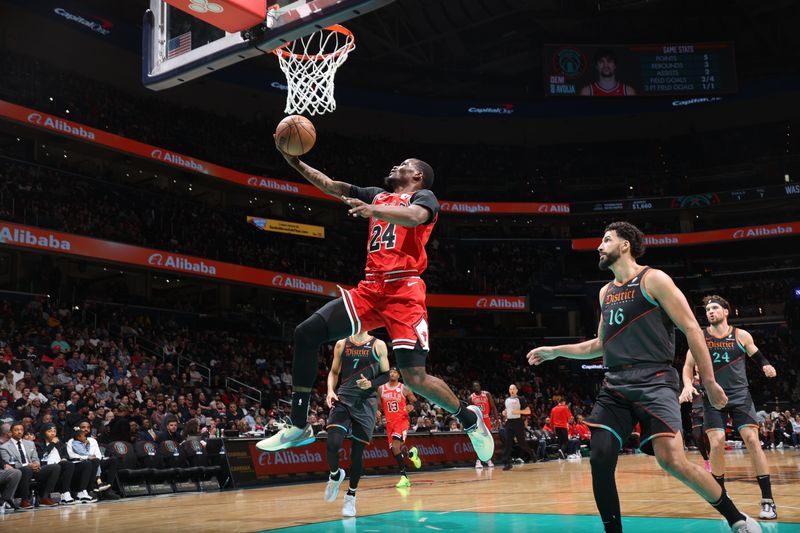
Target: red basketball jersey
(393,403)
(618,90)
(482,401)
(395,250)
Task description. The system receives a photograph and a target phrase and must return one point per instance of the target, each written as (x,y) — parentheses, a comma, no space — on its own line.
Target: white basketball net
(310,64)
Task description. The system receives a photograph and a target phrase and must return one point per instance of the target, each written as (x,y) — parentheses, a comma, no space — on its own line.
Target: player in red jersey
(607,85)
(392,295)
(396,402)
(485,403)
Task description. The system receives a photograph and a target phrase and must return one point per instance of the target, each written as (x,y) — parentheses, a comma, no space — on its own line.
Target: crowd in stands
(654,166)
(49,198)
(129,378)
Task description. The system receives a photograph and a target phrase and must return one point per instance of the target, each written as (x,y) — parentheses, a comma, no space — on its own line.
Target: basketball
(295,135)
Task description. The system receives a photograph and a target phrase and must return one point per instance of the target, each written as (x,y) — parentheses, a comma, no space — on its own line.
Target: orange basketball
(295,135)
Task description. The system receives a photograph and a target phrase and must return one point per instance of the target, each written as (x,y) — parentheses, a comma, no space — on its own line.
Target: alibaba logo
(738,234)
(543,208)
(35,118)
(156,259)
(482,303)
(444,205)
(277,279)
(252,181)
(156,153)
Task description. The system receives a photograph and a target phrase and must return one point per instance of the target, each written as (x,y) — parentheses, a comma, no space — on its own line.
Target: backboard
(177,47)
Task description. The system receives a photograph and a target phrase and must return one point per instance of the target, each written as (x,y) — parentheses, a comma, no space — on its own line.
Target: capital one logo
(204,6)
(156,259)
(35,118)
(482,303)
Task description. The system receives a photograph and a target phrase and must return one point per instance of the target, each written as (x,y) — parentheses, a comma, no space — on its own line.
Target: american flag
(179,45)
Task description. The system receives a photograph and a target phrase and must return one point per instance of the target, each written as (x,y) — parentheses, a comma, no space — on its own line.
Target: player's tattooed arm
(316,177)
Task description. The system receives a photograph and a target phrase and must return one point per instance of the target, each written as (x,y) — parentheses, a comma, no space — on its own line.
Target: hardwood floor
(559,488)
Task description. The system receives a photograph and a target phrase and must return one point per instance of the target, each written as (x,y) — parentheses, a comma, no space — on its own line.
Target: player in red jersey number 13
(396,403)
(392,295)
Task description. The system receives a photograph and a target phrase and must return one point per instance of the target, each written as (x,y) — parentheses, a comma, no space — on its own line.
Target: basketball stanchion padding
(310,65)
(229,15)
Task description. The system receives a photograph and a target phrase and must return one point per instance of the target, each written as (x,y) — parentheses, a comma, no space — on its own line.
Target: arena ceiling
(493,48)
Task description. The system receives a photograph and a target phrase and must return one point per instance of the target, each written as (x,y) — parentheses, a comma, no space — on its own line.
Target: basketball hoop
(310,64)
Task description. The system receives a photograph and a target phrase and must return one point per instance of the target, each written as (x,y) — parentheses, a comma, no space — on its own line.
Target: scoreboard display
(682,69)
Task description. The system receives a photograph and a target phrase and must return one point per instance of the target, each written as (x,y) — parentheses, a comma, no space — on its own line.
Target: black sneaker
(508,466)
(110,495)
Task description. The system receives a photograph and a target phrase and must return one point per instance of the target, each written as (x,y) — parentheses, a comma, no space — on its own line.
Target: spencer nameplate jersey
(357,359)
(394,249)
(728,357)
(635,328)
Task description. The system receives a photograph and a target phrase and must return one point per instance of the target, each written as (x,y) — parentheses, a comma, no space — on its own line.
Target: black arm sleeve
(426,199)
(759,358)
(365,194)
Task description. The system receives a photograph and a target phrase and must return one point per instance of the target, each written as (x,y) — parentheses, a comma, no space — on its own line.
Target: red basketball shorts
(396,429)
(399,305)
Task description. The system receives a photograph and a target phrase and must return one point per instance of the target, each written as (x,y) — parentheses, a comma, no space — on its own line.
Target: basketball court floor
(553,497)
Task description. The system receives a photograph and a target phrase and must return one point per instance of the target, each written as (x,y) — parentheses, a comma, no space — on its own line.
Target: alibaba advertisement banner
(504,208)
(251,466)
(66,243)
(786,229)
(58,125)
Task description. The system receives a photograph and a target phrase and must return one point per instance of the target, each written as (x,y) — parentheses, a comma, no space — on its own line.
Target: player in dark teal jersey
(730,347)
(360,365)
(636,339)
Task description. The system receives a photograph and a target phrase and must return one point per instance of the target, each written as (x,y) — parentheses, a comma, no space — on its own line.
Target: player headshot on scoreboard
(605,62)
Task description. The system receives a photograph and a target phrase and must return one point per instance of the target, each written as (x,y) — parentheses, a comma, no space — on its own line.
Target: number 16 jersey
(635,328)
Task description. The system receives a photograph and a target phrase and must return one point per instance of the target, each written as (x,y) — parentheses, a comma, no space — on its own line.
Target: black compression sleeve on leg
(701,441)
(401,462)
(466,416)
(604,453)
(335,440)
(329,323)
(357,464)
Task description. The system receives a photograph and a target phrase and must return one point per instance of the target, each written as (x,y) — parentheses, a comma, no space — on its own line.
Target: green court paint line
(433,521)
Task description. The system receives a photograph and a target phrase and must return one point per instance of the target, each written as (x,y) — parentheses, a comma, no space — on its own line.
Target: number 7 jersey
(394,250)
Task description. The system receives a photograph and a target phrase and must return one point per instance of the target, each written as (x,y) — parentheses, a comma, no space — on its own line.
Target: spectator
(191,431)
(108,465)
(9,481)
(22,454)
(54,452)
(560,415)
(170,431)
